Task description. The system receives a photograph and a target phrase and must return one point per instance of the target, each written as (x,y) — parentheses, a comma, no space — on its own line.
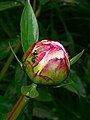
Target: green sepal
(76,58)
(30,91)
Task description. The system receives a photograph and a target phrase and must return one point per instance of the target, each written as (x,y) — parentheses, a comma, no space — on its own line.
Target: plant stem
(10,59)
(38,11)
(17,109)
(34,5)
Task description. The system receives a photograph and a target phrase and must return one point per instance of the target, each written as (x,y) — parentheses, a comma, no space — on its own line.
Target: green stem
(17,109)
(10,59)
(34,5)
(38,11)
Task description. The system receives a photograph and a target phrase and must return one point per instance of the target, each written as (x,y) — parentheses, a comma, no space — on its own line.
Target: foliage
(66,21)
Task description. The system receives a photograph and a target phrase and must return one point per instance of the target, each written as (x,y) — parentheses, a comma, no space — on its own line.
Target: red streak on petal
(45,78)
(50,66)
(41,55)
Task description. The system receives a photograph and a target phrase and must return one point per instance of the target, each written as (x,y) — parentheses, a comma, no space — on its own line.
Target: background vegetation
(67,21)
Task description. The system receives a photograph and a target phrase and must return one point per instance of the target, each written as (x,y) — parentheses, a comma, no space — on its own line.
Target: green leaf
(44,111)
(29,27)
(30,91)
(44,95)
(43,2)
(8,4)
(3,116)
(76,58)
(69,39)
(4,47)
(20,79)
(5,104)
(74,84)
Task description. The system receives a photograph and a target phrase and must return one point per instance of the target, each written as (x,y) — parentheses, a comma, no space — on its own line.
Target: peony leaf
(3,116)
(29,27)
(44,95)
(8,4)
(74,84)
(76,58)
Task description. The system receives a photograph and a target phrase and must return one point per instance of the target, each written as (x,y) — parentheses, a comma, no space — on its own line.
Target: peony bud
(47,62)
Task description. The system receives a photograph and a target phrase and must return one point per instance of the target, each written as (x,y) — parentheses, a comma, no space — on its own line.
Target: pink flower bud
(47,62)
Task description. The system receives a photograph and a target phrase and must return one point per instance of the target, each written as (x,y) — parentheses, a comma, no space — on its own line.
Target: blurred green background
(67,21)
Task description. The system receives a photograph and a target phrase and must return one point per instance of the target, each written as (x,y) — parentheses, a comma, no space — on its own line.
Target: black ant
(34,56)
